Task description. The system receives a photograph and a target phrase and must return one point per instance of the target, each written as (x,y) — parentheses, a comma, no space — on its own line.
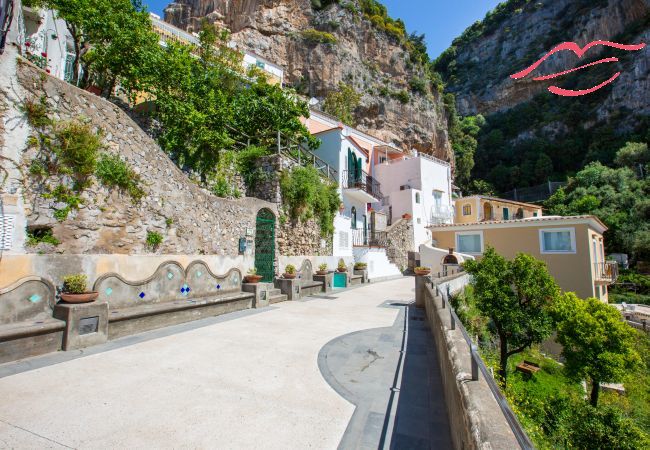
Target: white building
(47,42)
(417,185)
(376,175)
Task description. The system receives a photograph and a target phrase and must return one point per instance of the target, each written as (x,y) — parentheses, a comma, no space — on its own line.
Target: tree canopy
(618,196)
(597,344)
(517,296)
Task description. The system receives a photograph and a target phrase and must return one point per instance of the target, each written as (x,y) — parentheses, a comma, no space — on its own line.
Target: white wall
(50,36)
(423,176)
(432,257)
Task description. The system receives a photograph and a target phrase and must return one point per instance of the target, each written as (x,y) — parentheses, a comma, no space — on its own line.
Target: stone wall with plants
(94,182)
(400,242)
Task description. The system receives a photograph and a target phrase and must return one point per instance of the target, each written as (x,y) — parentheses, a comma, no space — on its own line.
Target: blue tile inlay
(199,273)
(170,275)
(109,291)
(185,289)
(141,294)
(35,298)
(218,286)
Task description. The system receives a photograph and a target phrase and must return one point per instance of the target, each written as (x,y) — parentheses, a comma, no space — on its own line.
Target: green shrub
(403,96)
(318,37)
(36,112)
(113,172)
(306,195)
(290,269)
(342,103)
(62,213)
(418,85)
(42,235)
(154,239)
(77,147)
(75,284)
(247,164)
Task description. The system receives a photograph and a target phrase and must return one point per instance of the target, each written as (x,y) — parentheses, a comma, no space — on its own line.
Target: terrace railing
(363,238)
(606,272)
(362,181)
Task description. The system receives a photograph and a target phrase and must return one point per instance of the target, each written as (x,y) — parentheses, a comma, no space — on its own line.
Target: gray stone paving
(399,401)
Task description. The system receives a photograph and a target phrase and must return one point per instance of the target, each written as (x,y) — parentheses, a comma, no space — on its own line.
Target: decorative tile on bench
(163,286)
(28,299)
(205,283)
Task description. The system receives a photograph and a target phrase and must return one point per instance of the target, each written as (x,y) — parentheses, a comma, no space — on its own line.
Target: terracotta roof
(530,220)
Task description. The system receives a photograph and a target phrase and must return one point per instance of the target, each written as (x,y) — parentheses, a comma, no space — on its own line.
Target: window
(437,199)
(417,197)
(506,214)
(353,213)
(471,243)
(467,210)
(419,220)
(382,159)
(260,64)
(557,240)
(535,214)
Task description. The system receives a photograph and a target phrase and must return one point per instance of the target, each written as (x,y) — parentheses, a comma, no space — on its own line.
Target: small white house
(418,185)
(47,42)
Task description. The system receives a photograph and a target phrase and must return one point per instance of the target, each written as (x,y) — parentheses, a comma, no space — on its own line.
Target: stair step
(277,299)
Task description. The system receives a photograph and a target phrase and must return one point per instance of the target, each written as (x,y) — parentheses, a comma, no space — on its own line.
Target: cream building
(479,208)
(572,247)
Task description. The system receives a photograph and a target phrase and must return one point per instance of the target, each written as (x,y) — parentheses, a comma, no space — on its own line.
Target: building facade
(479,208)
(572,247)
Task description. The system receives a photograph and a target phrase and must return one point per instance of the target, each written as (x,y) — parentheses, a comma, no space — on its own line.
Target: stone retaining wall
(475,417)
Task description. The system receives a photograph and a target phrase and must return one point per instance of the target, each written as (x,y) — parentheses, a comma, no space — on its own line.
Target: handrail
(303,157)
(364,182)
(478,364)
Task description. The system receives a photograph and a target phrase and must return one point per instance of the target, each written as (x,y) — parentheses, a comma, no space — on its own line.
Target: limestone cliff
(369,59)
(478,65)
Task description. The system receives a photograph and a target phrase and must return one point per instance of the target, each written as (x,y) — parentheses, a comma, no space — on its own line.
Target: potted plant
(74,289)
(360,266)
(342,267)
(407,216)
(422,271)
(252,276)
(322,269)
(289,272)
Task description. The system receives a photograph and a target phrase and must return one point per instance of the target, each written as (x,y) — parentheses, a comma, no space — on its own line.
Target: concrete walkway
(247,380)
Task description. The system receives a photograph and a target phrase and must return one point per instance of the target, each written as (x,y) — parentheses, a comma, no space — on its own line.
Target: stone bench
(308,285)
(170,296)
(27,325)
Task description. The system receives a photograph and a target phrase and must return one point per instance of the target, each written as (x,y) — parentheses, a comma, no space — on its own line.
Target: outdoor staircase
(275,296)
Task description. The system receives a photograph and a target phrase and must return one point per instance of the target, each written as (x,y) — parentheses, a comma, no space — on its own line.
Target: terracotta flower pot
(322,272)
(422,272)
(340,270)
(289,276)
(253,279)
(86,297)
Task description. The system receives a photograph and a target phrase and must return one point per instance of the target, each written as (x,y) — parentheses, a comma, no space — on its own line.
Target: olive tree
(516,296)
(597,344)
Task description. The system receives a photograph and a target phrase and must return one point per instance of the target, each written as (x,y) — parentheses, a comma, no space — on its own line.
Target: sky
(440,20)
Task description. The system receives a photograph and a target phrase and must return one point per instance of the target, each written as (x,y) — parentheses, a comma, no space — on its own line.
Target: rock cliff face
(369,59)
(510,41)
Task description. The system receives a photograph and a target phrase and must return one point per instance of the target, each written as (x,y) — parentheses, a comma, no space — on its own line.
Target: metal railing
(362,238)
(606,271)
(441,214)
(362,181)
(478,365)
(298,153)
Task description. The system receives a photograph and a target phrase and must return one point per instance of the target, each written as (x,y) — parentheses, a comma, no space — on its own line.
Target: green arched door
(265,245)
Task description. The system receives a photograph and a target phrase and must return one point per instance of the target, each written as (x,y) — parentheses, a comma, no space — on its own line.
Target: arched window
(353,213)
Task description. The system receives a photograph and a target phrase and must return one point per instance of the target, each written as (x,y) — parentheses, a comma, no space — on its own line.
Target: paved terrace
(321,373)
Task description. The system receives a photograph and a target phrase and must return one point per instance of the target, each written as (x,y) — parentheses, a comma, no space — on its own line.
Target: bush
(403,96)
(154,239)
(36,112)
(77,148)
(306,195)
(43,235)
(247,164)
(113,172)
(318,37)
(75,284)
(290,269)
(418,85)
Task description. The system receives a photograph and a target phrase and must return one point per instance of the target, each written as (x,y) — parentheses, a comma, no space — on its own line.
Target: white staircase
(379,266)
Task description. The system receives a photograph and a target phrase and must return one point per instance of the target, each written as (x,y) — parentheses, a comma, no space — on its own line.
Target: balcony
(442,214)
(363,238)
(361,187)
(605,272)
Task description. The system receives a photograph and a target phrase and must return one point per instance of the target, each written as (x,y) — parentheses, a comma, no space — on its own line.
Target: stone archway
(265,244)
